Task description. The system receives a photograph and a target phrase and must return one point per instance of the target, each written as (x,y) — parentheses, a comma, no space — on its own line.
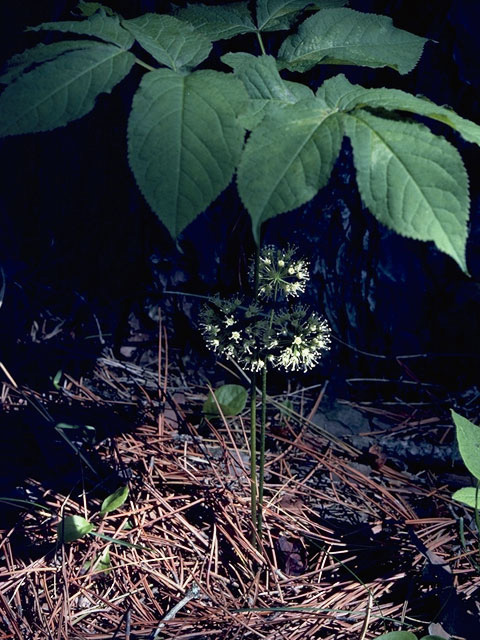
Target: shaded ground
(361,534)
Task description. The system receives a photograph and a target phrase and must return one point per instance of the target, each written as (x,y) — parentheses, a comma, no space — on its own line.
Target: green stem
(253,457)
(144,64)
(263,419)
(253,425)
(259,37)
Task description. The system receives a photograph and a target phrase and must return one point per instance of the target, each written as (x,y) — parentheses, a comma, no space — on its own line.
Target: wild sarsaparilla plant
(190,130)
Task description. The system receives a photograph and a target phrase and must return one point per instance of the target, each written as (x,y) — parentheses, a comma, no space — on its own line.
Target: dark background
(78,242)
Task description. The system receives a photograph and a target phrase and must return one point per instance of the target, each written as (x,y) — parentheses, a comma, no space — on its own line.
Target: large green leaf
(264,85)
(63,89)
(184,141)
(172,42)
(345,36)
(287,159)
(99,25)
(412,181)
(24,61)
(468,436)
(339,93)
(219,22)
(275,15)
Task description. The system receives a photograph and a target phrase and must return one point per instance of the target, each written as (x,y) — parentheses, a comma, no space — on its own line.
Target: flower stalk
(266,332)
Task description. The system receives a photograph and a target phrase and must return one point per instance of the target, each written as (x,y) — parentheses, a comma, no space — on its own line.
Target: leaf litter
(353,545)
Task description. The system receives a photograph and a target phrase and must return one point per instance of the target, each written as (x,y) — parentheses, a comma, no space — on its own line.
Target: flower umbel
(302,339)
(280,275)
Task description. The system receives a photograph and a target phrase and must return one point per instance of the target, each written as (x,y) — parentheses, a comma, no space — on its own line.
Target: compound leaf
(73,528)
(24,61)
(468,436)
(219,22)
(345,36)
(172,42)
(287,159)
(99,25)
(62,89)
(411,180)
(340,93)
(184,141)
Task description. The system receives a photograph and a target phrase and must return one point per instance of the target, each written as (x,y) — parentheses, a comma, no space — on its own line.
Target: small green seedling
(468,437)
(72,528)
(231,399)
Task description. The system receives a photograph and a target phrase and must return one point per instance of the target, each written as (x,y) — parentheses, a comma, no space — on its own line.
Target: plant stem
(253,457)
(263,419)
(253,425)
(144,64)
(259,37)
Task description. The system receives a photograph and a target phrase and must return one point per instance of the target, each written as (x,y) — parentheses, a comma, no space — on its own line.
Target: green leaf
(219,22)
(287,159)
(184,141)
(260,76)
(469,496)
(264,85)
(63,89)
(23,504)
(468,436)
(73,528)
(232,399)
(114,501)
(121,543)
(276,15)
(87,9)
(397,635)
(173,43)
(24,61)
(412,181)
(102,564)
(345,36)
(98,25)
(339,93)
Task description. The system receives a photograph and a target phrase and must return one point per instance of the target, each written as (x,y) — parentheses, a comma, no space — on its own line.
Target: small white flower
(229,321)
(236,336)
(297,340)
(281,263)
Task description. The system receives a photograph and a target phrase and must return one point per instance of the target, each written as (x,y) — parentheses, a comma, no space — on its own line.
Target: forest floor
(360,537)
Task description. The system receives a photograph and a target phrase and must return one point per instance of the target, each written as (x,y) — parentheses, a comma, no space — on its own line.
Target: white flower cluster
(304,337)
(292,339)
(280,274)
